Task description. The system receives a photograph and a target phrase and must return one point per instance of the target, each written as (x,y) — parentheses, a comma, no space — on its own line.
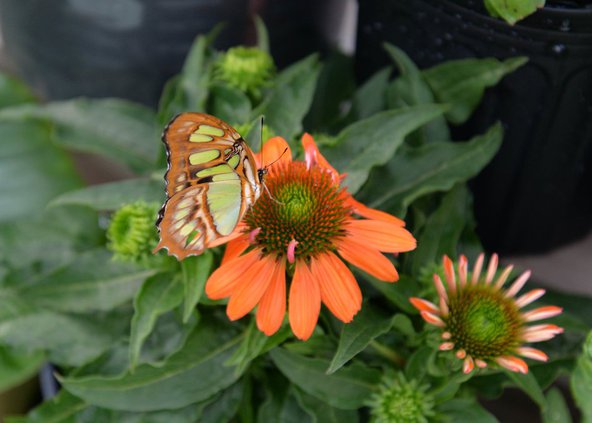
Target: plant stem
(388,353)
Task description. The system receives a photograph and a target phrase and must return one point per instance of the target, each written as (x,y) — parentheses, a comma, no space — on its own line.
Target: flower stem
(388,353)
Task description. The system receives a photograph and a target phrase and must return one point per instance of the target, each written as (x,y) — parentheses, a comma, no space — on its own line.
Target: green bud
(245,68)
(132,234)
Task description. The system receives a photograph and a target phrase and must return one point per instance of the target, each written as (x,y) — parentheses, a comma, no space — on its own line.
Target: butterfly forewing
(211,181)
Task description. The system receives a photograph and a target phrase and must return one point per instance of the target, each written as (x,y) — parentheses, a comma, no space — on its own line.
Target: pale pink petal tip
(292,251)
(542,313)
(513,364)
(504,276)
(461,354)
(462,270)
(518,284)
(480,363)
(446,335)
(468,365)
(423,305)
(253,235)
(491,269)
(532,353)
(446,346)
(432,319)
(539,333)
(477,268)
(529,297)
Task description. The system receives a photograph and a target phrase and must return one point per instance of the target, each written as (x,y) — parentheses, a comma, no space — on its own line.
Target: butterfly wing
(211,182)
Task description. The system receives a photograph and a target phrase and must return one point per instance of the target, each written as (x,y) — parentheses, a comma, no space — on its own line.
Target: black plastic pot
(129,48)
(537,192)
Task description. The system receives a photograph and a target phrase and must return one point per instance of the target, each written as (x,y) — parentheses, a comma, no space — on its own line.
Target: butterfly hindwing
(211,181)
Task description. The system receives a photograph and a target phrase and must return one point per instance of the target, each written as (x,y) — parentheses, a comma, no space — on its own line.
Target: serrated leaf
(195,273)
(158,295)
(347,389)
(372,142)
(93,282)
(194,373)
(461,83)
(290,98)
(113,195)
(355,336)
(429,168)
(32,169)
(119,129)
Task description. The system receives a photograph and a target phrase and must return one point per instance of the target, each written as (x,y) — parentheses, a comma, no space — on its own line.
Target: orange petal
(238,231)
(384,236)
(374,214)
(272,307)
(235,248)
(273,149)
(251,288)
(313,157)
(304,303)
(368,259)
(222,282)
(424,305)
(339,289)
(513,364)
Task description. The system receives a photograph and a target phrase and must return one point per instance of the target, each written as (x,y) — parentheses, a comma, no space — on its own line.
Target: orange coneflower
(483,323)
(304,229)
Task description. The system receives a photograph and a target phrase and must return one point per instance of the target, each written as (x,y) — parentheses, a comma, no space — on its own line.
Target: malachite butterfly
(211,181)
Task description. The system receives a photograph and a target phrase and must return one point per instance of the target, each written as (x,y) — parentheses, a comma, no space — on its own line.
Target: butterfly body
(212,180)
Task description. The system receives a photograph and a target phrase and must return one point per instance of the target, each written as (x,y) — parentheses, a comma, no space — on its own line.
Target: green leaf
(158,295)
(196,271)
(229,104)
(288,101)
(581,381)
(13,92)
(399,292)
(224,407)
(346,389)
(429,168)
(70,340)
(262,35)
(195,76)
(114,195)
(60,409)
(557,410)
(194,373)
(93,282)
(442,231)
(372,142)
(528,383)
(461,83)
(410,89)
(118,129)
(32,169)
(370,98)
(321,412)
(355,336)
(513,10)
(17,366)
(465,411)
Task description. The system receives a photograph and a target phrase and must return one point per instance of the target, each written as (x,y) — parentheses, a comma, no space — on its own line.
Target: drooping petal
(529,297)
(513,364)
(235,248)
(449,273)
(518,284)
(477,268)
(367,259)
(313,157)
(304,303)
(224,279)
(339,289)
(446,346)
(369,213)
(539,333)
(480,363)
(432,319)
(542,313)
(503,277)
(383,236)
(424,305)
(462,270)
(272,307)
(491,269)
(273,150)
(468,365)
(440,287)
(532,353)
(249,290)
